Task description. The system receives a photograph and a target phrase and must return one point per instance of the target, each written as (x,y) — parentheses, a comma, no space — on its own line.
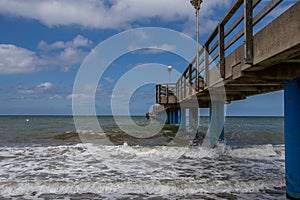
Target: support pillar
(193,118)
(292,137)
(171,117)
(216,128)
(174,116)
(182,125)
(176,121)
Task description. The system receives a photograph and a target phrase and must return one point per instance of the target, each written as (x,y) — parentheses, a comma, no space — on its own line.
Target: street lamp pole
(197,4)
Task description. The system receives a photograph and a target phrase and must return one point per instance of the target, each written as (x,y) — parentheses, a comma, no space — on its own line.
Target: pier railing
(166,93)
(238,22)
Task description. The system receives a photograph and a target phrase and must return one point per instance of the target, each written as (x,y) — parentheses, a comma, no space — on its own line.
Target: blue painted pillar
(216,127)
(182,125)
(170,117)
(176,121)
(193,116)
(292,137)
(174,116)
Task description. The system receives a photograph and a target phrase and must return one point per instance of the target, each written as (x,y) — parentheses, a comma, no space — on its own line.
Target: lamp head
(196,4)
(169,68)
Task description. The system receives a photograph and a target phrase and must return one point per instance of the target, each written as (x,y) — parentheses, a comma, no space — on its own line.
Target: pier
(224,70)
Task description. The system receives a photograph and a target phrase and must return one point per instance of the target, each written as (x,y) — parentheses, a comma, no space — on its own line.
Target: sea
(48,157)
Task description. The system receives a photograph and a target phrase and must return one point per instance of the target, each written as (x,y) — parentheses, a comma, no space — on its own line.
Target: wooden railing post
(184,85)
(190,78)
(206,60)
(222,50)
(157,94)
(181,89)
(248,31)
(167,92)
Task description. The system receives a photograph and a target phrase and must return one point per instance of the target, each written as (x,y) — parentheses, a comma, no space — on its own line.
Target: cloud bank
(107,14)
(60,54)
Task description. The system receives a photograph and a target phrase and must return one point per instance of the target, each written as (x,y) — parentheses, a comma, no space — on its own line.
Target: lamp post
(169,70)
(197,4)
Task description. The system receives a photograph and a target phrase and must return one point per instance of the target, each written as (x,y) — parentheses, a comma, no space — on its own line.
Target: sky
(43,44)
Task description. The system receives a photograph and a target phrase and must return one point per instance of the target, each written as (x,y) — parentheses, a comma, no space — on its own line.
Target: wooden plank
(248,31)
(177,90)
(201,51)
(184,88)
(211,38)
(234,39)
(255,3)
(201,69)
(266,10)
(222,50)
(157,93)
(190,79)
(232,11)
(167,94)
(181,89)
(206,67)
(201,61)
(234,24)
(215,56)
(214,46)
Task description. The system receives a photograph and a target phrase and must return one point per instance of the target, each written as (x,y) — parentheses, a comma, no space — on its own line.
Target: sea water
(42,157)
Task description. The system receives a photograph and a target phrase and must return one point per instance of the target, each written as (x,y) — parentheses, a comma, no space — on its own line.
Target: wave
(32,190)
(165,137)
(140,170)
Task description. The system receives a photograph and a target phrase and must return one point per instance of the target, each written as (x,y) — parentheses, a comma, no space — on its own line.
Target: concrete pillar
(193,116)
(167,117)
(216,127)
(176,117)
(292,137)
(173,117)
(182,124)
(170,116)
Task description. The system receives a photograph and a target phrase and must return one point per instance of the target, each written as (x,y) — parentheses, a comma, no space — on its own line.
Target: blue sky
(44,42)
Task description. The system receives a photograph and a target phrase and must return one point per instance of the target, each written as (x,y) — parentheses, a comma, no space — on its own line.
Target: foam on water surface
(150,171)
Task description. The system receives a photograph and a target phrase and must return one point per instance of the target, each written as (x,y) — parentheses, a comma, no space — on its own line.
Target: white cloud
(78,41)
(64,55)
(14,59)
(56,97)
(38,89)
(69,57)
(107,14)
(108,79)
(44,86)
(153,49)
(80,96)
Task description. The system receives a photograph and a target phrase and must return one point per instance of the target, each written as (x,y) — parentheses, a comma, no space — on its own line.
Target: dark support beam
(277,73)
(248,31)
(206,58)
(222,50)
(190,79)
